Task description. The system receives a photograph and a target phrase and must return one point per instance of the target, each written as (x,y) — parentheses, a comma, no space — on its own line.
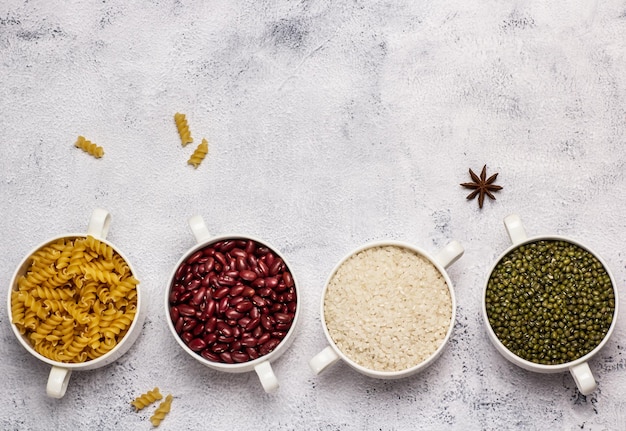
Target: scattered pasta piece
(76,300)
(161,411)
(89,147)
(183,128)
(199,154)
(146,399)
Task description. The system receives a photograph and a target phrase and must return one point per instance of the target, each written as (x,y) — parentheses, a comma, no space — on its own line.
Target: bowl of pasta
(232,303)
(75,303)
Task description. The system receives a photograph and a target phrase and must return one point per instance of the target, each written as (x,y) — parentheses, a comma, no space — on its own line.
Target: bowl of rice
(388,309)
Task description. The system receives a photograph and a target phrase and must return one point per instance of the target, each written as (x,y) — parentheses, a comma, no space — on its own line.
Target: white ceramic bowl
(60,372)
(332,353)
(262,364)
(579,368)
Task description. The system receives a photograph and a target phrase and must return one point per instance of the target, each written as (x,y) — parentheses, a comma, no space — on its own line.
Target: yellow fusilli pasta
(161,411)
(199,154)
(146,399)
(76,300)
(89,147)
(183,128)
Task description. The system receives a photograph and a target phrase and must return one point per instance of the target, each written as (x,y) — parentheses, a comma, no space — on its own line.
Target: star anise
(482,186)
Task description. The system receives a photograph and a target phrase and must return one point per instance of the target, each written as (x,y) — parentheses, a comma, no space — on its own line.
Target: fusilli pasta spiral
(146,399)
(183,128)
(89,147)
(161,411)
(199,154)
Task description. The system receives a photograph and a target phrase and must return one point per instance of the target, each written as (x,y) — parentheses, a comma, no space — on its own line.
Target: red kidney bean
(209,251)
(243,321)
(271,282)
(264,338)
(187,277)
(174,295)
(227,357)
(211,324)
(236,290)
(237,252)
(244,306)
(189,325)
(186,310)
(220,292)
(198,330)
(223,305)
(241,264)
(249,341)
(197,344)
(248,292)
(208,354)
(266,322)
(239,357)
(180,271)
(178,326)
(234,346)
(219,347)
(224,339)
(268,258)
(282,326)
(233,313)
(234,300)
(184,297)
(198,297)
(210,338)
(227,246)
(253,262)
(283,317)
(255,313)
(276,308)
(174,314)
(288,279)
(226,280)
(221,258)
(269,346)
(281,286)
(252,353)
(264,291)
(279,334)
(248,275)
(263,269)
(276,266)
(292,307)
(250,247)
(186,337)
(258,283)
(257,332)
(194,257)
(253,324)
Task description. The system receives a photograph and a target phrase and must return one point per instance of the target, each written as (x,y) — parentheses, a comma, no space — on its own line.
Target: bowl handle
(323,360)
(584,378)
(449,254)
(267,377)
(515,228)
(57,382)
(99,223)
(199,229)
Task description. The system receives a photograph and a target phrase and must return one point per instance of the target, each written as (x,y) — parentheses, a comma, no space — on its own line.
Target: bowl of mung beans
(550,304)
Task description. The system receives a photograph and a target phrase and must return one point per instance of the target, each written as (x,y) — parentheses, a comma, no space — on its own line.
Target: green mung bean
(550,301)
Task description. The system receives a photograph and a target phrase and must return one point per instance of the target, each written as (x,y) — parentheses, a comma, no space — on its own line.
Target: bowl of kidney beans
(232,303)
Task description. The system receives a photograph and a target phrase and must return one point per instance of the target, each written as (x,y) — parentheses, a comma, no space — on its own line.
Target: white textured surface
(330,124)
